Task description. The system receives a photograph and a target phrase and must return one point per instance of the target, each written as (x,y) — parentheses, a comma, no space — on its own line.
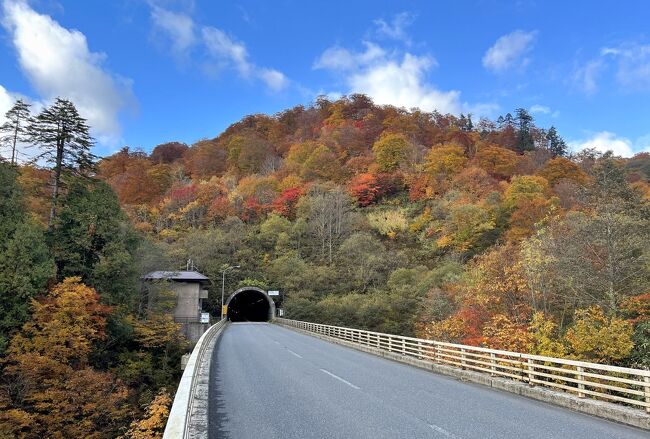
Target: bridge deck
(271,382)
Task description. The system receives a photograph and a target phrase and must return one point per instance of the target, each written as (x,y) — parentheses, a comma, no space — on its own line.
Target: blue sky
(147,72)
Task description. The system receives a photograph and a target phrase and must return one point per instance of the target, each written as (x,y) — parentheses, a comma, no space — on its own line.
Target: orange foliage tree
(50,382)
(561,168)
(499,162)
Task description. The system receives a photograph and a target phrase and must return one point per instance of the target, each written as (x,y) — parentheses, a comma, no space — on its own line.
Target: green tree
(91,238)
(363,261)
(556,145)
(25,263)
(64,139)
(524,125)
(14,130)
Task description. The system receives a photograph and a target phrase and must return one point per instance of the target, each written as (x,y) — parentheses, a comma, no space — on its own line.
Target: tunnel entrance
(250,304)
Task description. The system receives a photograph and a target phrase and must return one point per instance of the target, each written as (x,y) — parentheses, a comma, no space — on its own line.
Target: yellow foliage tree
(152,425)
(158,330)
(388,222)
(544,339)
(599,338)
(524,187)
(445,161)
(391,151)
(502,333)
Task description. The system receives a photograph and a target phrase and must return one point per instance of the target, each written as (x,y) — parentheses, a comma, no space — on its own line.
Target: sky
(145,72)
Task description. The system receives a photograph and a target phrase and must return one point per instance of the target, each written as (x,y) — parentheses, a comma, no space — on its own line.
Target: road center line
(340,379)
(293,353)
(443,431)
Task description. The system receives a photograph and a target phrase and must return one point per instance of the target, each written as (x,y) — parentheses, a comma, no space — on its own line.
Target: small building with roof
(190,288)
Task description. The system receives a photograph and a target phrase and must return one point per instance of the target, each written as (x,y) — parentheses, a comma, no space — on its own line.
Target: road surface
(271,382)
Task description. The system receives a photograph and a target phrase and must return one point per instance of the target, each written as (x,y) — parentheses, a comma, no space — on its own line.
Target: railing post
(646,391)
(531,367)
(462,357)
(403,347)
(390,344)
(436,354)
(420,356)
(581,378)
(493,363)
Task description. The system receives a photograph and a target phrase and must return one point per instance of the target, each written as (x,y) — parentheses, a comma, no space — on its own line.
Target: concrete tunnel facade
(250,304)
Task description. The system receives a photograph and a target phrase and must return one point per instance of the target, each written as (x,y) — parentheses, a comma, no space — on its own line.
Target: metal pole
(223,287)
(223,284)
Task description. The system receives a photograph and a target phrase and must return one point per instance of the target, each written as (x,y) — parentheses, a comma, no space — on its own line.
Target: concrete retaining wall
(188,417)
(602,409)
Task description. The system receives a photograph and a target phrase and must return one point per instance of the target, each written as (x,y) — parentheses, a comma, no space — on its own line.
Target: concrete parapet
(188,417)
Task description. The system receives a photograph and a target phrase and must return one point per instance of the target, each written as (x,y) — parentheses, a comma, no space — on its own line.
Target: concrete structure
(250,304)
(188,415)
(190,288)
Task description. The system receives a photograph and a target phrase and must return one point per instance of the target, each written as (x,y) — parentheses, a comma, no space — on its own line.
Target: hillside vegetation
(478,232)
(365,216)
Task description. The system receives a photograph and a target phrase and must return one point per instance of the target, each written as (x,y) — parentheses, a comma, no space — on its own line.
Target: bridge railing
(586,380)
(178,422)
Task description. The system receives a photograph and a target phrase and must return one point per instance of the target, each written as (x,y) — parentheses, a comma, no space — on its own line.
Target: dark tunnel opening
(249,306)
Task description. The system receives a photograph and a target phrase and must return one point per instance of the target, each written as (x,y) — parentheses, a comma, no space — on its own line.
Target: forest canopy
(488,233)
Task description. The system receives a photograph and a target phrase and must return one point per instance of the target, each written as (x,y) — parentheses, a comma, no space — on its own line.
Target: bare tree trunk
(13,149)
(57,181)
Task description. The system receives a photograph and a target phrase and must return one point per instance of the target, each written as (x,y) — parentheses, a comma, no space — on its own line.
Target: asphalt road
(271,382)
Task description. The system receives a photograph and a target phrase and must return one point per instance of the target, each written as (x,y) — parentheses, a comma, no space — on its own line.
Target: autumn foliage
(49,360)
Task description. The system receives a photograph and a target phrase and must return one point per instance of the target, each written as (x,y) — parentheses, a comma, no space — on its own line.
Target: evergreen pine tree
(556,144)
(62,134)
(524,125)
(14,130)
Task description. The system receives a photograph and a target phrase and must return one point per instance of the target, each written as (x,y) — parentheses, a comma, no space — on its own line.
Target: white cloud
(633,64)
(604,141)
(396,29)
(273,79)
(390,78)
(178,27)
(403,84)
(6,102)
(226,50)
(58,62)
(509,51)
(339,58)
(543,109)
(223,51)
(230,53)
(585,77)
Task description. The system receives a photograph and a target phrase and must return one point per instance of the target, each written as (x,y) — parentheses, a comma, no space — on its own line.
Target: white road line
(293,353)
(443,431)
(340,379)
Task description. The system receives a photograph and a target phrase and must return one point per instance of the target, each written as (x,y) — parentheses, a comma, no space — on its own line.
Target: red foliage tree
(365,189)
(285,203)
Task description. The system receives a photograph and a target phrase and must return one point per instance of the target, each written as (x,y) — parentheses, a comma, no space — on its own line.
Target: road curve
(271,382)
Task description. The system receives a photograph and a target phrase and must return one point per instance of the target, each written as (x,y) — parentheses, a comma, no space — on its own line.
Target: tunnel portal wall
(259,290)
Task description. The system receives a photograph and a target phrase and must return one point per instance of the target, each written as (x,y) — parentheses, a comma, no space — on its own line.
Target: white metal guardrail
(587,380)
(178,422)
